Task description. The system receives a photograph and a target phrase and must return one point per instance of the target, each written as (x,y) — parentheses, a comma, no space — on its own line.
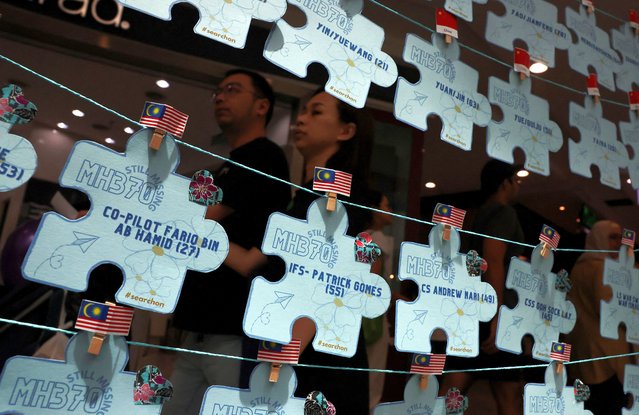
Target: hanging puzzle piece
(140,219)
(346,43)
(226,21)
(592,49)
(625,41)
(462,8)
(630,136)
(18,159)
(631,385)
(262,397)
(323,282)
(447,87)
(534,22)
(83,384)
(552,397)
(598,145)
(542,310)
(416,401)
(525,125)
(448,299)
(623,279)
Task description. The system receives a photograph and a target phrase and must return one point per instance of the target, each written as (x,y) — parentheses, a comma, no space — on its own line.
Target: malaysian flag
(560,351)
(279,353)
(104,318)
(334,181)
(428,364)
(164,117)
(628,238)
(449,215)
(550,236)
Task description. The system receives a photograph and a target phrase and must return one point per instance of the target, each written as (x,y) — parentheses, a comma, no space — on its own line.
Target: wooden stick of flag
(549,238)
(333,182)
(165,119)
(278,354)
(450,216)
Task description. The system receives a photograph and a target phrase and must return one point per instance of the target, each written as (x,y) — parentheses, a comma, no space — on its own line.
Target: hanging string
(350,369)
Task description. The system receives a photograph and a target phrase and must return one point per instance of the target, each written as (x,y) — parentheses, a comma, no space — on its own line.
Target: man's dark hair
(262,88)
(493,175)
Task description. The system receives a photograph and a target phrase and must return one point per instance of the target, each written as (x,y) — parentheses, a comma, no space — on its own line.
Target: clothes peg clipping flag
(560,353)
(633,19)
(277,354)
(103,319)
(522,63)
(550,238)
(446,24)
(449,216)
(590,4)
(427,364)
(592,86)
(633,100)
(333,182)
(165,119)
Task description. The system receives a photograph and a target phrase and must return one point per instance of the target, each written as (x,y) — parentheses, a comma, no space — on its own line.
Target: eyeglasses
(231,89)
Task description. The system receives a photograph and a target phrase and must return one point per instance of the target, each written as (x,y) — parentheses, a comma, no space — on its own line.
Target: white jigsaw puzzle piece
(447,87)
(623,279)
(533,21)
(542,311)
(525,125)
(18,159)
(226,21)
(630,136)
(323,282)
(416,401)
(631,385)
(449,298)
(552,397)
(462,8)
(337,36)
(598,145)
(592,48)
(141,220)
(625,41)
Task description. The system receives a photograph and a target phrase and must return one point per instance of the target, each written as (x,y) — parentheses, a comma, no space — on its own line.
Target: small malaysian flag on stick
(333,182)
(449,216)
(560,351)
(277,354)
(165,119)
(103,319)
(628,238)
(428,364)
(549,237)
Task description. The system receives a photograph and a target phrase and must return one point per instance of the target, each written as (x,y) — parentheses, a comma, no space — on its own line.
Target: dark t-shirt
(215,302)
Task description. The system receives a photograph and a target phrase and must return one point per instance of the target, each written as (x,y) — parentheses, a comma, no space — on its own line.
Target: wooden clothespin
(522,63)
(95,346)
(333,182)
(423,382)
(590,5)
(450,217)
(94,317)
(446,24)
(277,354)
(274,375)
(592,86)
(549,238)
(165,119)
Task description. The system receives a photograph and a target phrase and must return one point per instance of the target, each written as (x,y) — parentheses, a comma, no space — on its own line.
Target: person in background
(211,306)
(604,377)
(496,217)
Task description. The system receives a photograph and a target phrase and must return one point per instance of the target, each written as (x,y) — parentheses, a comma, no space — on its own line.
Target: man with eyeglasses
(211,306)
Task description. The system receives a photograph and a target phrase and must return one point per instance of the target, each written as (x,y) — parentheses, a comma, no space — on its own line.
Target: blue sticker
(592,48)
(140,219)
(623,279)
(346,43)
(416,401)
(534,22)
(449,298)
(225,21)
(83,384)
(553,396)
(447,87)
(630,136)
(525,125)
(598,145)
(631,385)
(625,41)
(263,397)
(323,281)
(542,310)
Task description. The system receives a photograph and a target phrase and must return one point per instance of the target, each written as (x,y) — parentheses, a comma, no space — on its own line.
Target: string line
(343,368)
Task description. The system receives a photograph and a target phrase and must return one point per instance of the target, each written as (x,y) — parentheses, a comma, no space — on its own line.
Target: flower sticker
(456,403)
(366,251)
(151,387)
(202,190)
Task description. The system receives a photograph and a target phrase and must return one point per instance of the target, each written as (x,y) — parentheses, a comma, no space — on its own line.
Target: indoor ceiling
(121,74)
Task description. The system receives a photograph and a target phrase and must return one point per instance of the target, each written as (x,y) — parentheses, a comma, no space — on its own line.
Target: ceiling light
(62,126)
(109,140)
(392,277)
(77,113)
(629,181)
(162,83)
(538,67)
(523,173)
(128,130)
(562,208)
(430,185)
